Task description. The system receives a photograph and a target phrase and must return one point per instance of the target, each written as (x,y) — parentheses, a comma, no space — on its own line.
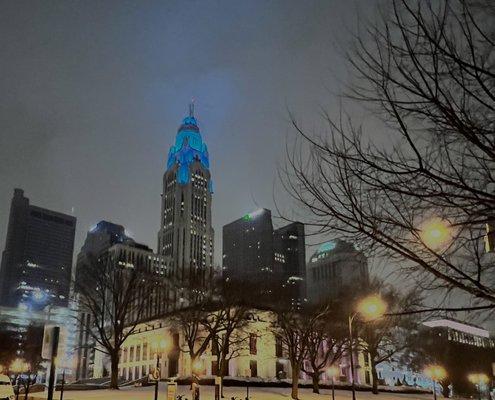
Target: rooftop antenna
(191,108)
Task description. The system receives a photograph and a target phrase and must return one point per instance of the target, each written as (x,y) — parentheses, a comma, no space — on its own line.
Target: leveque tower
(186,236)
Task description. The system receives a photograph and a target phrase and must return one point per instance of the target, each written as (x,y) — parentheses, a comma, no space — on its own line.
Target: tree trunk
(221,373)
(114,366)
(316,382)
(374,376)
(295,382)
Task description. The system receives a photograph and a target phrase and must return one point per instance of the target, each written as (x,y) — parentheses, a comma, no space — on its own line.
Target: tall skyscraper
(272,261)
(37,260)
(186,235)
(336,266)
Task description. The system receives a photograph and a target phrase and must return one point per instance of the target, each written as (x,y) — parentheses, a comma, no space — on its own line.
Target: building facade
(272,261)
(333,268)
(461,348)
(37,260)
(186,236)
(261,356)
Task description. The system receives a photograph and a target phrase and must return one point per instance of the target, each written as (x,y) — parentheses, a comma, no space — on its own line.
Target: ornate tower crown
(188,147)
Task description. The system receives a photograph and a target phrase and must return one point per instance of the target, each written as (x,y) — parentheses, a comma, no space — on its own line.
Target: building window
(278,347)
(145,351)
(138,353)
(124,358)
(131,354)
(252,344)
(253,366)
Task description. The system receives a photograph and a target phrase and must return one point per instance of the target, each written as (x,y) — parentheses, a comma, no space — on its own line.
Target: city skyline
(102,151)
(269,195)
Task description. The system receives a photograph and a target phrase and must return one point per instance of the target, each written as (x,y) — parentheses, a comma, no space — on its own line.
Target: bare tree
(115,294)
(426,70)
(387,336)
(198,321)
(326,344)
(232,316)
(294,329)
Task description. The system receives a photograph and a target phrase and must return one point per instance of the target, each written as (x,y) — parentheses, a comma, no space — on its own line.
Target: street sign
(48,338)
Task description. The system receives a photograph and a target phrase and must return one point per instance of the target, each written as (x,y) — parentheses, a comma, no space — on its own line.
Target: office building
(335,267)
(37,260)
(272,261)
(461,348)
(186,235)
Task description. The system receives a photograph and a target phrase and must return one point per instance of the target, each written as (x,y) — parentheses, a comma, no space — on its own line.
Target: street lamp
(435,233)
(333,372)
(370,308)
(478,380)
(435,373)
(158,347)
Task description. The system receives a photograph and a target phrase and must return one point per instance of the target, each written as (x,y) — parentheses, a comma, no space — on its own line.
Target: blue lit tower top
(188,147)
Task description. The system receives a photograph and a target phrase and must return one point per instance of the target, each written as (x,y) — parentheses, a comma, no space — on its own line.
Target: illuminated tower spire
(186,234)
(191,108)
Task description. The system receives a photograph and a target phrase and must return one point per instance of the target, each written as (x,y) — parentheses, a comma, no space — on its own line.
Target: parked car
(6,389)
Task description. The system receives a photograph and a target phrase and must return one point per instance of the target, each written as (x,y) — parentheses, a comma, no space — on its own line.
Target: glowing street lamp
(436,233)
(370,308)
(333,372)
(19,366)
(435,373)
(478,380)
(158,346)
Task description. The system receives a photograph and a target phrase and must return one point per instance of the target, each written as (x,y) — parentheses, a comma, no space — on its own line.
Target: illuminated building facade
(186,235)
(271,260)
(258,354)
(37,260)
(333,268)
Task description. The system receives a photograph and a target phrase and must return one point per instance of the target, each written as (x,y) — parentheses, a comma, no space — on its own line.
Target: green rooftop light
(328,246)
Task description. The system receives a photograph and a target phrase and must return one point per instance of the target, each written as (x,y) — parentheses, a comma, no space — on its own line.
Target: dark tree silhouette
(425,70)
(326,343)
(115,294)
(294,328)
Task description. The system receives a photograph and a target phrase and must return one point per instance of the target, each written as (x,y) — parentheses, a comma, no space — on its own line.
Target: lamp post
(332,372)
(478,380)
(158,346)
(435,373)
(370,308)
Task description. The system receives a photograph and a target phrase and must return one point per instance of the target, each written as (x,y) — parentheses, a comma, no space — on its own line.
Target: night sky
(92,94)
